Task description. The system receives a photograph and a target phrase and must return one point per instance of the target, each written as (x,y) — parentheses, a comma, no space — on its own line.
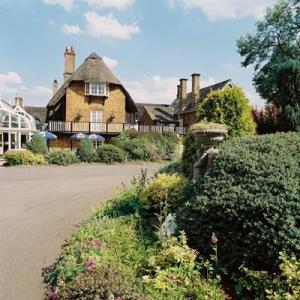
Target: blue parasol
(48,135)
(78,136)
(96,137)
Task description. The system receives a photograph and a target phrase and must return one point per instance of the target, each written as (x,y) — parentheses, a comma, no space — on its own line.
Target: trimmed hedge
(23,157)
(37,144)
(85,151)
(62,158)
(251,200)
(110,154)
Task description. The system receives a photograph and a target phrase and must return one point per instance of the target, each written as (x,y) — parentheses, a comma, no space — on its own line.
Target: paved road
(39,209)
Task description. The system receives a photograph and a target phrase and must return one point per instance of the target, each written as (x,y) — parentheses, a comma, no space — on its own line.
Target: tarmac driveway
(39,209)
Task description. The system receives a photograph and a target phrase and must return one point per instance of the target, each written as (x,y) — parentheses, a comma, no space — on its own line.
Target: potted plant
(209,134)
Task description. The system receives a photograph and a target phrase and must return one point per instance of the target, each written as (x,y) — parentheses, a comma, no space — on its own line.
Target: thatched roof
(190,107)
(93,69)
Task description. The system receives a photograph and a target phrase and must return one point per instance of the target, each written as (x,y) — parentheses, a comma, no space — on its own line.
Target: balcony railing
(108,128)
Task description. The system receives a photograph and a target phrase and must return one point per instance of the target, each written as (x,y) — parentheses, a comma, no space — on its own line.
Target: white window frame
(97,89)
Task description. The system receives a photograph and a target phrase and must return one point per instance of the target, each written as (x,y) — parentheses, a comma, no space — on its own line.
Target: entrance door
(1,144)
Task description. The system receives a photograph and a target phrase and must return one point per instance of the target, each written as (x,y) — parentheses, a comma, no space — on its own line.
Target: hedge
(251,200)
(23,157)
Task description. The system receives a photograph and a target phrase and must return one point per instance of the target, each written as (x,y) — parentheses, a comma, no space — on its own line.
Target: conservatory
(16,127)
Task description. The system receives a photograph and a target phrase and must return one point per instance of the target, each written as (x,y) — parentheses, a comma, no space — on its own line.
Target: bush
(38,144)
(153,146)
(173,273)
(85,151)
(23,157)
(110,154)
(164,192)
(62,158)
(189,155)
(250,199)
(103,256)
(172,168)
(228,106)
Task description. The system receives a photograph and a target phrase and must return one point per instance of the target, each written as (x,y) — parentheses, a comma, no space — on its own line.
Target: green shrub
(62,158)
(285,284)
(110,154)
(23,157)
(99,245)
(172,168)
(250,199)
(104,283)
(85,151)
(228,106)
(173,273)
(152,146)
(189,155)
(38,144)
(164,192)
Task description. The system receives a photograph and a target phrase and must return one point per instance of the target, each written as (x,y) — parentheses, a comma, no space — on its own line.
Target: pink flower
(90,264)
(214,238)
(118,298)
(53,296)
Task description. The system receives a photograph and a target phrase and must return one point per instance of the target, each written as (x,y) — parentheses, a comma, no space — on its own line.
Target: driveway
(39,209)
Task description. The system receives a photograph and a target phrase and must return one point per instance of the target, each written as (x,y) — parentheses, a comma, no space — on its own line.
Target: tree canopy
(274,51)
(228,106)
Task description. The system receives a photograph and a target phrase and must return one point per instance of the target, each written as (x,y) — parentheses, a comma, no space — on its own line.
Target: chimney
(18,101)
(182,93)
(195,88)
(178,91)
(55,87)
(69,62)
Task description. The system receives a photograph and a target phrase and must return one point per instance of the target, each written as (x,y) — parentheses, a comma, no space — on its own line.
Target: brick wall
(77,102)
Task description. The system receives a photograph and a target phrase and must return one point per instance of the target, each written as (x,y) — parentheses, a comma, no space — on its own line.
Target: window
(96,89)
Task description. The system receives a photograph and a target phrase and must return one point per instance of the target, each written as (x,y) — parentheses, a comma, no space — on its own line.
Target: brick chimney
(55,87)
(18,101)
(69,62)
(195,88)
(182,93)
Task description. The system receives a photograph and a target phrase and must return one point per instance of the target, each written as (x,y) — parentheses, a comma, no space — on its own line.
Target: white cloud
(12,84)
(71,29)
(10,79)
(158,89)
(227,9)
(117,4)
(111,63)
(66,4)
(108,27)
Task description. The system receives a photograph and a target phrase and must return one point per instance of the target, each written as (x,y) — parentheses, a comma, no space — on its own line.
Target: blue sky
(149,44)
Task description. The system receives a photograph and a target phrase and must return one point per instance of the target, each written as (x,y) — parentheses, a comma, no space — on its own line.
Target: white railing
(109,128)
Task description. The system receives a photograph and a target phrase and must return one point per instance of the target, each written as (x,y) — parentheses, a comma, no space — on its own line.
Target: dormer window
(96,89)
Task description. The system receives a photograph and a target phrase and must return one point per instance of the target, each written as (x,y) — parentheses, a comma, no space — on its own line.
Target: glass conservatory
(16,127)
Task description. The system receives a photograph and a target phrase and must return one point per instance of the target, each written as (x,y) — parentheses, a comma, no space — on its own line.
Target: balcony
(108,128)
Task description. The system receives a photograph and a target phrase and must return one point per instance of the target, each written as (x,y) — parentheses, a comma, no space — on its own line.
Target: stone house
(185,104)
(91,100)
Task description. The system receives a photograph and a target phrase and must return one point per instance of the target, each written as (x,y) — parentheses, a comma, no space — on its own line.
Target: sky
(148,44)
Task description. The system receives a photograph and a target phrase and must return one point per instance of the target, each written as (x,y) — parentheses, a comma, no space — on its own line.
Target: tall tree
(274,50)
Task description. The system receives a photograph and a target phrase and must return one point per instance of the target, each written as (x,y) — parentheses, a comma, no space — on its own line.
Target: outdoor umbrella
(96,137)
(78,136)
(48,135)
